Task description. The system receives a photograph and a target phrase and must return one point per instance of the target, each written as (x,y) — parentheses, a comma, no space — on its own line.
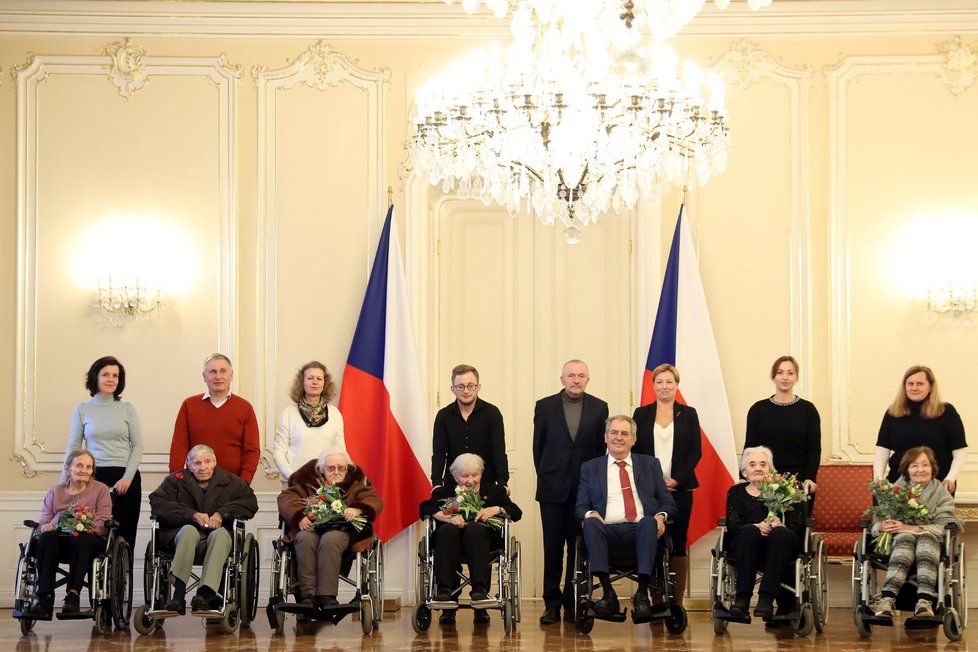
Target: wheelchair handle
(32,524)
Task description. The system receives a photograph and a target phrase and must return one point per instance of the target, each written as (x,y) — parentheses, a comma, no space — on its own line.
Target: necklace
(783,403)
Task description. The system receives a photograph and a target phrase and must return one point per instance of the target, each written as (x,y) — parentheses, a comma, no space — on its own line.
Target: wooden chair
(843,495)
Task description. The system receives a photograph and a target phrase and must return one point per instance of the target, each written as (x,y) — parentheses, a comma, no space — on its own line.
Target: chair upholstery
(843,496)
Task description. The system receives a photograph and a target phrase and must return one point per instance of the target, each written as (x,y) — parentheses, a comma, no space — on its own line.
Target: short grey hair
(755,450)
(217,356)
(198,450)
(621,417)
(329,452)
(467,461)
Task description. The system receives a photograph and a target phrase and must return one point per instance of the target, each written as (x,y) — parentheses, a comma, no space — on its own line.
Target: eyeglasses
(336,467)
(461,388)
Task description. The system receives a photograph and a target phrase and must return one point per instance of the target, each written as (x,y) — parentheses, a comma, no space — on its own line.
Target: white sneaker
(923,609)
(885,607)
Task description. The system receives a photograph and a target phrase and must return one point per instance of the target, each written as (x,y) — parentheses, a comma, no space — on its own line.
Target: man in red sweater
(225,422)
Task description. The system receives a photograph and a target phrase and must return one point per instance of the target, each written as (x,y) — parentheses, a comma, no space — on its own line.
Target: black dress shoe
(447,617)
(41,609)
(740,606)
(177,606)
(570,615)
(326,601)
(764,608)
(71,603)
(641,606)
(607,605)
(481,617)
(443,595)
(550,616)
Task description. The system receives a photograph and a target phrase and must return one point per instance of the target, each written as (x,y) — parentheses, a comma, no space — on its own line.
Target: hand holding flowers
(326,506)
(780,492)
(75,519)
(896,506)
(469,506)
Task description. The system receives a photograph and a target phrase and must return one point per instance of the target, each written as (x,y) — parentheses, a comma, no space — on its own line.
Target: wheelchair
(810,587)
(624,566)
(504,555)
(951,611)
(239,584)
(109,583)
(368,584)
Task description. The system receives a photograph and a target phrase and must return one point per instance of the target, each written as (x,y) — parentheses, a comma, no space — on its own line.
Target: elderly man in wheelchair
(927,551)
(623,503)
(195,510)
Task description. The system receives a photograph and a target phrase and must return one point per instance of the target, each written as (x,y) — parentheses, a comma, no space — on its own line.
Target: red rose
(312,517)
(896,490)
(75,533)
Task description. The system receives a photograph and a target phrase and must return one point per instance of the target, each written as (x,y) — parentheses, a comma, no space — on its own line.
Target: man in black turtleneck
(568,430)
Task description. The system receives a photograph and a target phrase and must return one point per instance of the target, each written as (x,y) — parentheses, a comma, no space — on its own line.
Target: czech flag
(683,337)
(382,398)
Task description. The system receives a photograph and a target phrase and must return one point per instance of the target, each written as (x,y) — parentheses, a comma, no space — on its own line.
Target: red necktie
(626,492)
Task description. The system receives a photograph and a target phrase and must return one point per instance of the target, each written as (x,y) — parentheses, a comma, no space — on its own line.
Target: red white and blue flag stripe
(683,336)
(382,398)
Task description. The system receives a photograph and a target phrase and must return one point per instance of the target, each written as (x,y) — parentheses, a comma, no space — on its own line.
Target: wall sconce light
(953,305)
(127,303)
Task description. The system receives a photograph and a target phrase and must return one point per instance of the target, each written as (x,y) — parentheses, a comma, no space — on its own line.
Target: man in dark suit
(568,430)
(623,502)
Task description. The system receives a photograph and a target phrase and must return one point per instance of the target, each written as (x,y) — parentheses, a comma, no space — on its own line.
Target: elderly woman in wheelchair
(195,508)
(917,544)
(319,547)
(456,537)
(66,533)
(759,542)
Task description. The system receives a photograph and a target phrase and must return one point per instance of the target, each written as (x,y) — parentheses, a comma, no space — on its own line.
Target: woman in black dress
(918,417)
(788,425)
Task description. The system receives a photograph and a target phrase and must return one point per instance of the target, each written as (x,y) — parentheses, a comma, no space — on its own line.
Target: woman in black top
(918,417)
(788,425)
(758,542)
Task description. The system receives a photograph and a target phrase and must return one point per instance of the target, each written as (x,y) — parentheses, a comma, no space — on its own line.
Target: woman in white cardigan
(310,424)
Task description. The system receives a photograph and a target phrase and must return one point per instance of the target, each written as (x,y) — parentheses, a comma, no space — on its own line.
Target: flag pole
(390,196)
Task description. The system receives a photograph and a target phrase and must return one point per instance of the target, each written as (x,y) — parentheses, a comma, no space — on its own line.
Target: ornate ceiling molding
(127,72)
(960,65)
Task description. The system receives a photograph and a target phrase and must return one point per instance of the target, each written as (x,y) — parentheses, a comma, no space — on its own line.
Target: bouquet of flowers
(326,507)
(467,504)
(76,519)
(780,492)
(900,503)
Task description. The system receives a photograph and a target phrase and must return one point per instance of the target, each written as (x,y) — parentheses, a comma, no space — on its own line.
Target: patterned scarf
(314,415)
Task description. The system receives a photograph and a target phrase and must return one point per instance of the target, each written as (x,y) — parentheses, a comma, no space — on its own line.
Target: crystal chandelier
(572,119)
(661,18)
(126,303)
(953,304)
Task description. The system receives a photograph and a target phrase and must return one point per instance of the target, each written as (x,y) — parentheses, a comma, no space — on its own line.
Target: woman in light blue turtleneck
(108,428)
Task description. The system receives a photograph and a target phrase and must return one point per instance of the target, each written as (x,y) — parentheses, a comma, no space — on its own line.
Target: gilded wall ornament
(960,65)
(127,72)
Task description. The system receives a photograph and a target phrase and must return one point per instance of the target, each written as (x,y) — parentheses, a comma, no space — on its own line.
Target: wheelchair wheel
(959,593)
(719,625)
(509,619)
(819,586)
(865,629)
(103,619)
(952,625)
(366,615)
(806,620)
(584,622)
(515,579)
(420,618)
(375,582)
(26,626)
(248,580)
(120,583)
(278,625)
(678,620)
(150,569)
(423,583)
(143,623)
(231,620)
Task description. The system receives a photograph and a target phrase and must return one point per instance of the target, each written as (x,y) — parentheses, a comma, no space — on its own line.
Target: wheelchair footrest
(87,614)
(619,617)
(23,615)
(294,608)
(929,622)
(720,613)
(871,618)
(444,605)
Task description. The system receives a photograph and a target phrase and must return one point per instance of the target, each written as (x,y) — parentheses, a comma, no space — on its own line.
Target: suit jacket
(593,490)
(558,458)
(179,497)
(686,445)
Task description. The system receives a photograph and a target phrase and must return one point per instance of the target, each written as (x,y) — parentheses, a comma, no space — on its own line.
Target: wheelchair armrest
(110,523)
(32,524)
(722,521)
(809,522)
(951,527)
(865,523)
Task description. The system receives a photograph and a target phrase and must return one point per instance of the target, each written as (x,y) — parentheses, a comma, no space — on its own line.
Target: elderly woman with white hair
(759,542)
(196,507)
(319,548)
(455,537)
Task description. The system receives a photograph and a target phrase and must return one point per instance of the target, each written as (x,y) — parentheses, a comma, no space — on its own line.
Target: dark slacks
(680,523)
(640,539)
(559,533)
(125,508)
(773,554)
(54,547)
(452,543)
